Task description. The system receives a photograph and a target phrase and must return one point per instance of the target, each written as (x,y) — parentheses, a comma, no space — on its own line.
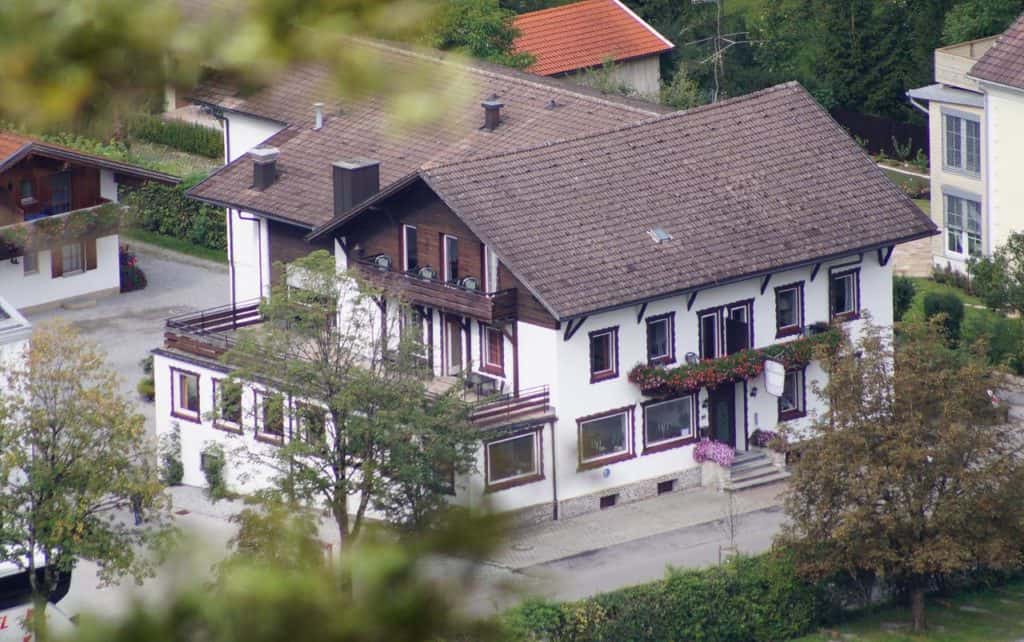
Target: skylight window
(659,235)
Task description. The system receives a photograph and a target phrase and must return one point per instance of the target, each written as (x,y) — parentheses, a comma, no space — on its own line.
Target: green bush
(950,305)
(213,469)
(187,137)
(1005,337)
(745,599)
(146,388)
(172,471)
(903,291)
(956,278)
(166,210)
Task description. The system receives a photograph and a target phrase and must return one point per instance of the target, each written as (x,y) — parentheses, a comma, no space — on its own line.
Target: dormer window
(451,258)
(410,257)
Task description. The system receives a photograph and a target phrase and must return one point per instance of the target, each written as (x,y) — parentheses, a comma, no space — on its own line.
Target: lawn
(914,183)
(174,244)
(972,304)
(982,616)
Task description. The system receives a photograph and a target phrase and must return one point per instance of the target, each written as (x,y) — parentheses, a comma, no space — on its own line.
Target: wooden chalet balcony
(210,333)
(53,230)
(435,293)
(498,409)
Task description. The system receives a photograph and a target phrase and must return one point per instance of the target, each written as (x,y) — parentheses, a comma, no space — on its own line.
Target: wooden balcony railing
(436,293)
(211,332)
(530,402)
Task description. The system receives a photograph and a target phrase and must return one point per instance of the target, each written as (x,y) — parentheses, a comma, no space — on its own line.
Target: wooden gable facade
(37,186)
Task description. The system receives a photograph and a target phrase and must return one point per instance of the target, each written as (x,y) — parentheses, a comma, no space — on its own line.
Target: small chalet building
(574,284)
(57,242)
(976,120)
(568,40)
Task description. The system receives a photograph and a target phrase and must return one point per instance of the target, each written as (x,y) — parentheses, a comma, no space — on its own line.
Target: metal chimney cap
(264,154)
(355,163)
(492,103)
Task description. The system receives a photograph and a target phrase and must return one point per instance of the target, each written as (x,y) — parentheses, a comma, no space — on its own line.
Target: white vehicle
(16,602)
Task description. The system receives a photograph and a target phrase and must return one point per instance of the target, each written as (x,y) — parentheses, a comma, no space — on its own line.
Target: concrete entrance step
(764,480)
(753,473)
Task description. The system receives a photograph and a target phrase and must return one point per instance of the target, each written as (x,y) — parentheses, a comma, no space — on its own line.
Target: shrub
(212,464)
(172,471)
(903,291)
(1005,337)
(950,305)
(166,210)
(949,276)
(187,137)
(716,451)
(132,276)
(146,388)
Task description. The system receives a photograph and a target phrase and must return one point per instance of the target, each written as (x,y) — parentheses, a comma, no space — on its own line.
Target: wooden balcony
(210,333)
(435,293)
(56,229)
(530,404)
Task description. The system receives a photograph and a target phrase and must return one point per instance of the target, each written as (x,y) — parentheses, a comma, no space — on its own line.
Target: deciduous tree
(479,28)
(909,475)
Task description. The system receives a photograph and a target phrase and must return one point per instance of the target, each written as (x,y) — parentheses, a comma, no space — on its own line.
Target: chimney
(264,167)
(354,181)
(492,113)
(318,116)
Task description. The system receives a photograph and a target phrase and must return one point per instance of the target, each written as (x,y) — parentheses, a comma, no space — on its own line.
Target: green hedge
(166,210)
(187,137)
(747,599)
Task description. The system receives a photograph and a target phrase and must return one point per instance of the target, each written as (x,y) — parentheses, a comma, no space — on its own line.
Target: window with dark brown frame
(789,309)
(604,354)
(661,339)
(185,395)
(451,258)
(709,338)
(793,400)
(669,423)
(513,460)
(492,350)
(605,438)
(844,294)
(410,253)
(227,395)
(726,329)
(270,416)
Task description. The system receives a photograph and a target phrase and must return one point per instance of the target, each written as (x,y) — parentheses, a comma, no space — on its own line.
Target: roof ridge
(642,123)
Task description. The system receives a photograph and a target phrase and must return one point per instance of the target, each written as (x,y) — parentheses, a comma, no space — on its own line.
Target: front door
(454,346)
(722,413)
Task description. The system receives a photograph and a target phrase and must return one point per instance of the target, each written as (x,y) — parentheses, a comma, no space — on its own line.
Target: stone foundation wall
(637,491)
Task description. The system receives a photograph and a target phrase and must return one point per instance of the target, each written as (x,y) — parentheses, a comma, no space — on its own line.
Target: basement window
(609,500)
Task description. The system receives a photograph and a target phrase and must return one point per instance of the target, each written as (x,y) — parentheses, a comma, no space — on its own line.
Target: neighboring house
(570,39)
(547,273)
(976,120)
(56,243)
(15,333)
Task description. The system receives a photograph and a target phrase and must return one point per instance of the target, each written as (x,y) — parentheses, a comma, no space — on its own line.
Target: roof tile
(1004,62)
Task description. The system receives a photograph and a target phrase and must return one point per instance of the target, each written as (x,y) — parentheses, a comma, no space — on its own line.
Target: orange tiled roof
(11,143)
(585,34)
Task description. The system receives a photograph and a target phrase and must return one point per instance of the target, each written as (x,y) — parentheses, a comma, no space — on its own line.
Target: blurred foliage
(166,210)
(479,28)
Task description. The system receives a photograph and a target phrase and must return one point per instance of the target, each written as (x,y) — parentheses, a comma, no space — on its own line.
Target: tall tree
(479,28)
(909,475)
(973,19)
(73,449)
(366,434)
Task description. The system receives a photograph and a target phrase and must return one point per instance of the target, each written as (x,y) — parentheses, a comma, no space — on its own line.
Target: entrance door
(454,346)
(722,413)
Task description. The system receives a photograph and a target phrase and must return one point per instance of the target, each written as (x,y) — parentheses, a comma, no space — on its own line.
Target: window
(789,309)
(409,250)
(72,258)
(726,330)
(270,409)
(60,192)
(411,326)
(604,438)
(451,258)
(791,403)
(963,225)
(668,421)
(844,295)
(513,459)
(490,270)
(492,350)
(604,357)
(312,424)
(185,395)
(661,339)
(26,188)
(738,328)
(709,335)
(963,143)
(228,396)
(30,263)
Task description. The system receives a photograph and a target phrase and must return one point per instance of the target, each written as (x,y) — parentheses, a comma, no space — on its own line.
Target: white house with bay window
(976,122)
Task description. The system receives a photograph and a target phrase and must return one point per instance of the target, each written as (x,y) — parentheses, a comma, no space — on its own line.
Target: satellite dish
(774,377)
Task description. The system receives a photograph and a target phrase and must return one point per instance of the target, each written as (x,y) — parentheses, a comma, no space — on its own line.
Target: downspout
(225,122)
(554,475)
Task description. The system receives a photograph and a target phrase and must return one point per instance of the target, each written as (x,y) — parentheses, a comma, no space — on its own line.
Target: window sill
(493,370)
(661,361)
(669,445)
(790,415)
(512,483)
(845,316)
(266,439)
(234,429)
(596,377)
(190,418)
(607,461)
(789,331)
(64,275)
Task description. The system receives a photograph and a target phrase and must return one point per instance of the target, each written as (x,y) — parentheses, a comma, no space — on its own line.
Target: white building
(976,123)
(556,273)
(15,332)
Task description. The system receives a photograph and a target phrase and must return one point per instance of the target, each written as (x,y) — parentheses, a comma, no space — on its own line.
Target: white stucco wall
(26,291)
(1005,114)
(108,186)
(643,75)
(245,132)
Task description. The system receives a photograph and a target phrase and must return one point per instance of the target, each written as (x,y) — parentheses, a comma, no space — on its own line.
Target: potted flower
(772,443)
(714,457)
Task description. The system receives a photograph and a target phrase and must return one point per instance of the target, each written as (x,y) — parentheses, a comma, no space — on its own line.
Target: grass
(174,244)
(918,184)
(169,160)
(981,616)
(924,286)
(924,204)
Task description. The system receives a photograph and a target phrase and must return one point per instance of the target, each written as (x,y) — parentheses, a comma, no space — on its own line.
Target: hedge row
(744,600)
(166,210)
(187,137)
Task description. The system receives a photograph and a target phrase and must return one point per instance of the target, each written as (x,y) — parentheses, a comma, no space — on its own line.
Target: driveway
(129,325)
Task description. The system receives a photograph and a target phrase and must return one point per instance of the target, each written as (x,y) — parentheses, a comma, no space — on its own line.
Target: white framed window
(963,225)
(185,394)
(227,395)
(604,354)
(844,294)
(30,263)
(661,338)
(451,258)
(410,251)
(604,437)
(513,459)
(789,309)
(962,142)
(726,330)
(72,258)
(669,421)
(791,403)
(270,415)
(709,335)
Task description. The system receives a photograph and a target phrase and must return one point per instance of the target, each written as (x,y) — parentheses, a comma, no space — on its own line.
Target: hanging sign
(774,377)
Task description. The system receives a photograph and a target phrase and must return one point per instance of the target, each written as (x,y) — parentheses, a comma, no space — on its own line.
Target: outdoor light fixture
(691,358)
(753,392)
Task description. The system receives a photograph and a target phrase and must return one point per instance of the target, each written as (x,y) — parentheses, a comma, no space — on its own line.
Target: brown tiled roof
(536,110)
(744,187)
(585,34)
(1004,62)
(14,147)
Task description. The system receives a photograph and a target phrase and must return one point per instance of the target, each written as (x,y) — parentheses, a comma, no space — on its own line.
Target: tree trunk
(917,608)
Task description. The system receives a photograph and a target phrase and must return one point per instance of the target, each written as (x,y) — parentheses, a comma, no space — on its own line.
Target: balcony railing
(507,408)
(211,332)
(54,230)
(436,293)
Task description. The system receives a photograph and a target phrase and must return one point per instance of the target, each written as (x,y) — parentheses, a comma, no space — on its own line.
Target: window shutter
(56,262)
(90,254)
